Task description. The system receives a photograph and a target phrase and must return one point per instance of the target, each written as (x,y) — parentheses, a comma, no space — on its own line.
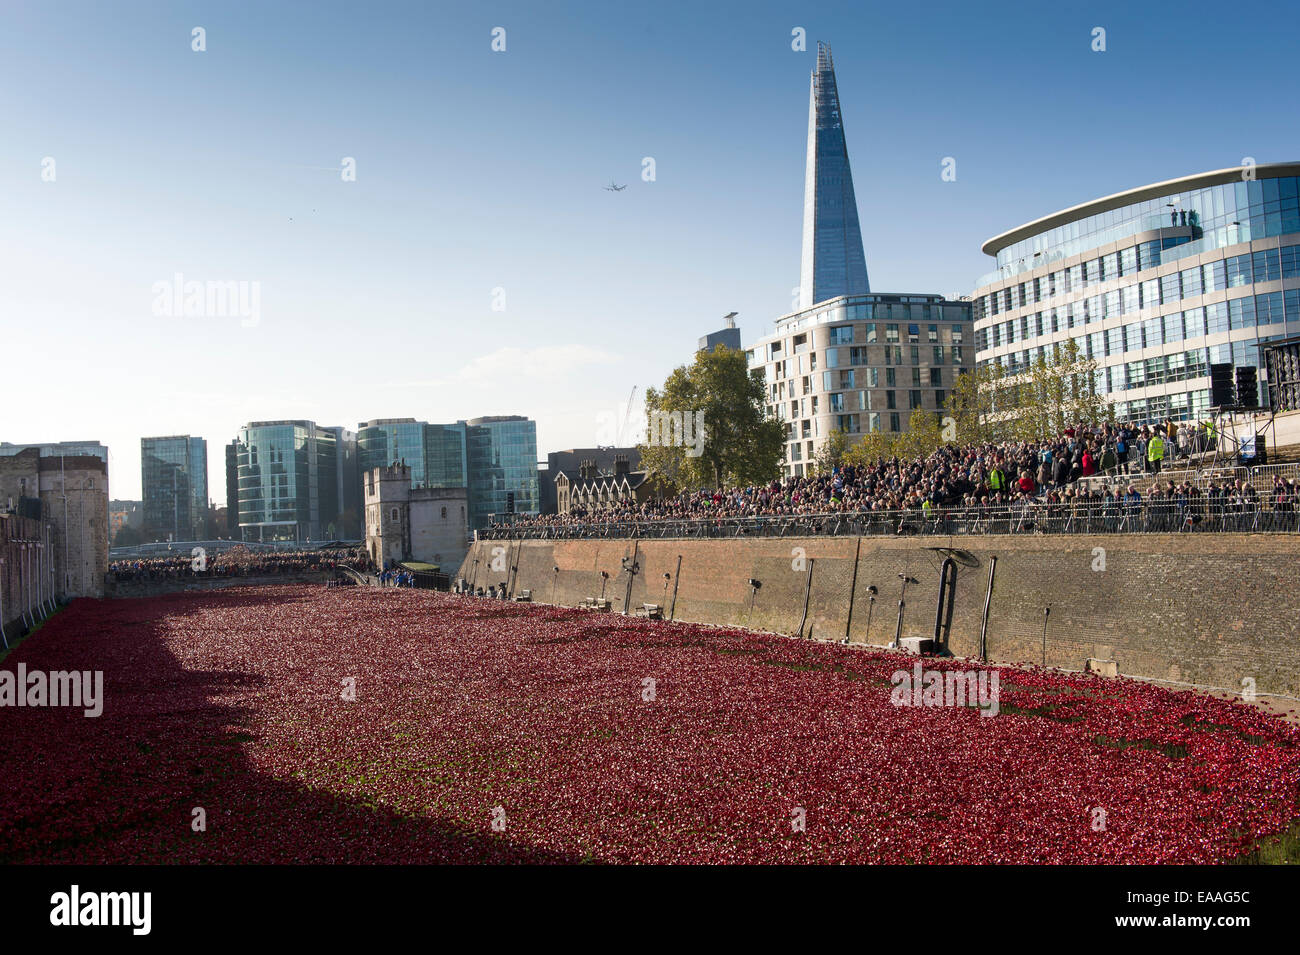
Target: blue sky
(479,170)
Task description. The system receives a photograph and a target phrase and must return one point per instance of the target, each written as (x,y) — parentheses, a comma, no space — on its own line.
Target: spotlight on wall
(668,576)
(872,590)
(755,583)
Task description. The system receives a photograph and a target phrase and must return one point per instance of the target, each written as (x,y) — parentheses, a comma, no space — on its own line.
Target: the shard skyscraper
(833,260)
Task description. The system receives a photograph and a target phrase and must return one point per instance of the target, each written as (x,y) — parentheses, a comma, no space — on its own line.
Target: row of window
(1162,369)
(1233,272)
(868,333)
(857,356)
(1247,312)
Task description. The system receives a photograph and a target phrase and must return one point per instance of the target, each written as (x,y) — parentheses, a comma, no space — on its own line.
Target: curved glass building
(1156,284)
(290,485)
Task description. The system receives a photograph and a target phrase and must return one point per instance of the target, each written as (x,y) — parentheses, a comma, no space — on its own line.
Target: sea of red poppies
(305,724)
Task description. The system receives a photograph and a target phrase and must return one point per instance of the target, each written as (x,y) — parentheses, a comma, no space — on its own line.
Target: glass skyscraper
(834,263)
(174,487)
(290,482)
(502,467)
(435,453)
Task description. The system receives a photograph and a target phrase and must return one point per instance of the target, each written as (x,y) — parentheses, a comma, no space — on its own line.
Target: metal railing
(1194,515)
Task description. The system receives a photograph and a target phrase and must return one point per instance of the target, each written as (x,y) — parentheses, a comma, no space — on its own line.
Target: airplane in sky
(614,187)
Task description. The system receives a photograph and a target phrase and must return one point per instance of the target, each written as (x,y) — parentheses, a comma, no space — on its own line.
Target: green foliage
(740,444)
(988,405)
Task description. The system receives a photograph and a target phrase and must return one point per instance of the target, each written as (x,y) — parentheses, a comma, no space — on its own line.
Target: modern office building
(435,454)
(860,363)
(502,455)
(727,337)
(174,487)
(56,448)
(834,262)
(293,482)
(1156,284)
(848,359)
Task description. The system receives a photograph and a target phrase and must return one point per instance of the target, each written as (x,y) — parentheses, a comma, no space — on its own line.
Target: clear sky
(479,170)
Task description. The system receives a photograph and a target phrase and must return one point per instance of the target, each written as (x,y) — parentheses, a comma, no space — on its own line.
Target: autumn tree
(709,425)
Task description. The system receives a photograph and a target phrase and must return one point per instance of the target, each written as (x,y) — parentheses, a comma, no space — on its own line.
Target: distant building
(571,462)
(427,524)
(728,337)
(174,485)
(435,453)
(293,482)
(124,514)
(54,449)
(68,496)
(849,359)
(502,453)
(590,489)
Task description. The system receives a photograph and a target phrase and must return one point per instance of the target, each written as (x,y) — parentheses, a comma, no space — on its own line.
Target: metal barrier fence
(1198,515)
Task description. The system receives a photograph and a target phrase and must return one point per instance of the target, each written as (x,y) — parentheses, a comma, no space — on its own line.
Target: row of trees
(742,443)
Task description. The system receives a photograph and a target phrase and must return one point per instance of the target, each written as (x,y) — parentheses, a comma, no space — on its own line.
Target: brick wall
(1198,608)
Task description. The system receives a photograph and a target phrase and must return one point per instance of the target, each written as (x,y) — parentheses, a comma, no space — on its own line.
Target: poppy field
(299,724)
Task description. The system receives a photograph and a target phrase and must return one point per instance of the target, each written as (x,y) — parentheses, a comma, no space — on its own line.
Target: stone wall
(1209,609)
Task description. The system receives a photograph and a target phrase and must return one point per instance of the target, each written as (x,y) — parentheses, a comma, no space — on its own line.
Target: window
(842,335)
(937,357)
(444,513)
(871,333)
(894,422)
(891,333)
(933,333)
(913,333)
(836,402)
(916,355)
(936,377)
(915,397)
(393,514)
(891,378)
(891,401)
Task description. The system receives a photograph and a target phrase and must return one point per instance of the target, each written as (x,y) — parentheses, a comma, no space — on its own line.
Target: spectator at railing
(238,562)
(952,477)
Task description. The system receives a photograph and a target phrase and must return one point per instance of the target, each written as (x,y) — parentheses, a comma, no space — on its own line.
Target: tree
(1057,392)
(709,425)
(831,454)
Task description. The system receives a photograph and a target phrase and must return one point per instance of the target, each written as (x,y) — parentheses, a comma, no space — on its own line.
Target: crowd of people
(238,561)
(962,476)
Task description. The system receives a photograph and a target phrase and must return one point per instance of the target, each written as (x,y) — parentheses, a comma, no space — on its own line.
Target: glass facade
(837,365)
(290,483)
(436,453)
(1154,291)
(502,462)
(834,262)
(174,487)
